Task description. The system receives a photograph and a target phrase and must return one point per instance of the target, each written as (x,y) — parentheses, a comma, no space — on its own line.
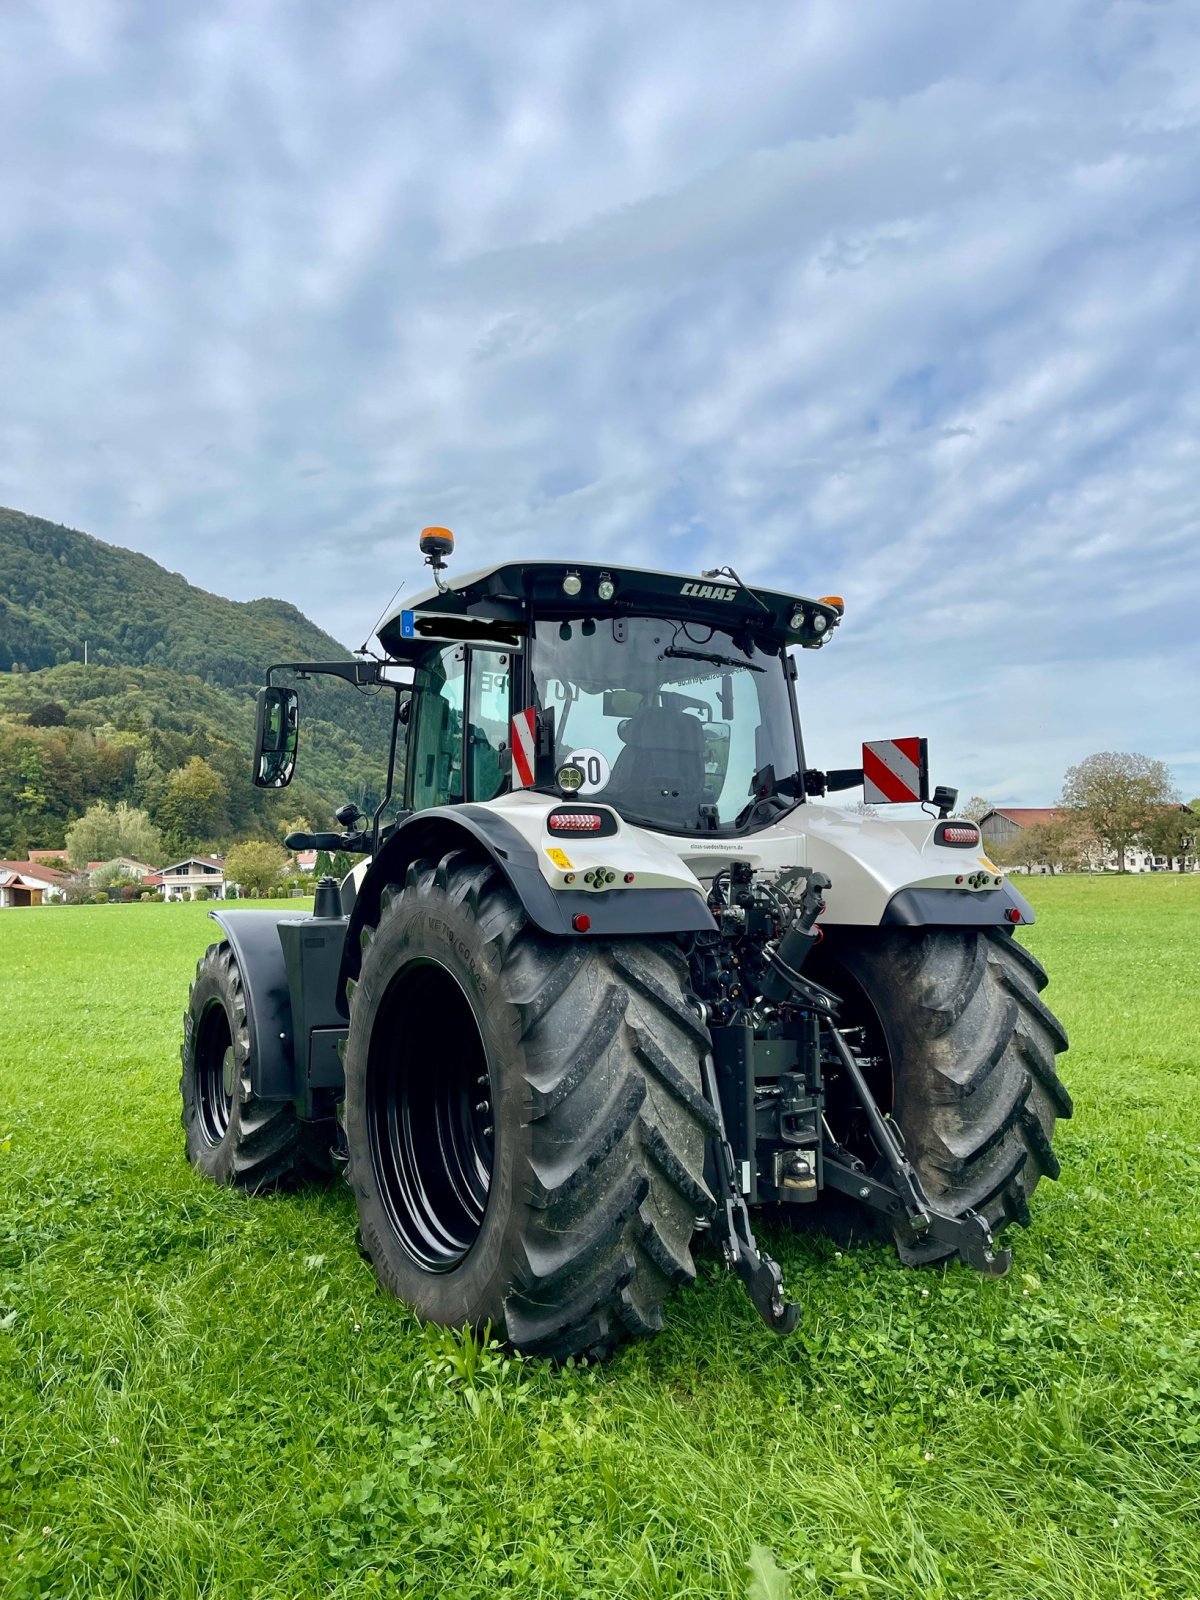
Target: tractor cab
(665,697)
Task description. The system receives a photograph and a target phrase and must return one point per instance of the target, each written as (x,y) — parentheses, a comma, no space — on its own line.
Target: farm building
(998,826)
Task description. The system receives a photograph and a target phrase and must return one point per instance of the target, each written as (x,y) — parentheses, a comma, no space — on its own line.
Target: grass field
(203,1394)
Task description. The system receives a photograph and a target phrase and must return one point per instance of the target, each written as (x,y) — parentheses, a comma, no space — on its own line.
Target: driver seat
(660,773)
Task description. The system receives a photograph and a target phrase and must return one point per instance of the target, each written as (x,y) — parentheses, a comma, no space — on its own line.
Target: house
(129,867)
(49,855)
(24,884)
(181,879)
(305,860)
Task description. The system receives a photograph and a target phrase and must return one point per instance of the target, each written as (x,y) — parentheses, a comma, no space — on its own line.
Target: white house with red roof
(23,883)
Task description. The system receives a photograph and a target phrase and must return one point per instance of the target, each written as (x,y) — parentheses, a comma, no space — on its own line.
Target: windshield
(669,723)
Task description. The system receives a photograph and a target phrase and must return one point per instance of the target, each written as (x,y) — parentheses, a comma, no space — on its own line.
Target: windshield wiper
(710,655)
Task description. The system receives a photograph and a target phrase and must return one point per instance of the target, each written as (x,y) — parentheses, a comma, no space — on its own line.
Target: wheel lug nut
(484,1105)
(487,1133)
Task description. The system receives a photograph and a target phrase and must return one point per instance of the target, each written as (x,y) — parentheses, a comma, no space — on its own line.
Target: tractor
(610,979)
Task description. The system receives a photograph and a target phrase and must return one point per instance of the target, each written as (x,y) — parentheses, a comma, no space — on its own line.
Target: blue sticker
(407,626)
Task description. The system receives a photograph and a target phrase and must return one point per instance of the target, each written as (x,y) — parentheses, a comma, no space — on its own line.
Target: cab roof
(509,595)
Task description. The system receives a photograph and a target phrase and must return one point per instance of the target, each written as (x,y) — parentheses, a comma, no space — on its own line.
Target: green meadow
(202,1393)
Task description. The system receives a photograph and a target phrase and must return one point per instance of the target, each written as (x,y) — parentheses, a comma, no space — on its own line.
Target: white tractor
(608,977)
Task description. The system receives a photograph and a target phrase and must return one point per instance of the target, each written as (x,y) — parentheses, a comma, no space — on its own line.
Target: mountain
(171,674)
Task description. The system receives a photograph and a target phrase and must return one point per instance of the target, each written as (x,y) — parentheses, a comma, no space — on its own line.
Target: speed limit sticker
(594,767)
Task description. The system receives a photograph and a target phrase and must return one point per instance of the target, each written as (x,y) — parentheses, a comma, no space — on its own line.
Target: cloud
(902,309)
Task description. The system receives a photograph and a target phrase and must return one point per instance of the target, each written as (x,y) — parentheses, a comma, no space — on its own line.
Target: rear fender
(431,834)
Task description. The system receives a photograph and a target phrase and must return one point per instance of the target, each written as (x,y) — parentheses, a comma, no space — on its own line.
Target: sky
(897,302)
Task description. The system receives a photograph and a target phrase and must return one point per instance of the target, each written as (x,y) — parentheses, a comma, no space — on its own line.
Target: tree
(193,807)
(48,715)
(1061,845)
(103,832)
(1116,794)
(254,866)
(1172,831)
(976,808)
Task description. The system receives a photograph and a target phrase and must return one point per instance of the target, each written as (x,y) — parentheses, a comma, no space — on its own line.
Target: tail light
(575,822)
(965,835)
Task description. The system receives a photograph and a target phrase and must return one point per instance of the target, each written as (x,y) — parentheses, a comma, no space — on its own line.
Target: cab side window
(488,723)
(436,752)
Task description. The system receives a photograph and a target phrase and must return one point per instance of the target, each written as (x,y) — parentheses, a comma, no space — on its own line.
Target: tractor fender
(254,937)
(957,908)
(430,834)
(884,872)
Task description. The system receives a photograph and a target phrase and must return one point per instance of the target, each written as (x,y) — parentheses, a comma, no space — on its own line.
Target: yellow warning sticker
(990,865)
(559,857)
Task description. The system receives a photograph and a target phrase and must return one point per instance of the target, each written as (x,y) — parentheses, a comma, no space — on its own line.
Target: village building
(999,826)
(182,879)
(129,868)
(23,883)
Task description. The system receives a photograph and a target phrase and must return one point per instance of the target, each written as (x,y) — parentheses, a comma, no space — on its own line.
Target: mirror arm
(360,673)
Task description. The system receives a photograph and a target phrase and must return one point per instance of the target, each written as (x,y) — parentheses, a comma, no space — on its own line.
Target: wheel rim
(216,1070)
(429,1116)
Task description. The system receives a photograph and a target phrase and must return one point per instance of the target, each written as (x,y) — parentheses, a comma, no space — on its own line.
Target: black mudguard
(254,936)
(957,908)
(430,834)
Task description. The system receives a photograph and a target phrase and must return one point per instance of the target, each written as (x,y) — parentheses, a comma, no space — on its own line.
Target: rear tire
(971,1049)
(524,1118)
(232,1136)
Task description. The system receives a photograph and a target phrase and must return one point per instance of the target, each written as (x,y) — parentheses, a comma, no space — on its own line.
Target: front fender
(254,937)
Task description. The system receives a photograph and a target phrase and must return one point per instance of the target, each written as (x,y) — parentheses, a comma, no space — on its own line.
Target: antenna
(364,648)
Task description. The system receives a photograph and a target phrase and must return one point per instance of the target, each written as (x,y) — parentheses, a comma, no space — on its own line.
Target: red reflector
(1013,914)
(629,877)
(952,835)
(581,922)
(574,822)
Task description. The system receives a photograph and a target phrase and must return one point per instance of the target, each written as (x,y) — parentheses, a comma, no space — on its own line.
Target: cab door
(459,743)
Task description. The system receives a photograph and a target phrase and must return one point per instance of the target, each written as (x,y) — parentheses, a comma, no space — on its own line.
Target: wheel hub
(216,1073)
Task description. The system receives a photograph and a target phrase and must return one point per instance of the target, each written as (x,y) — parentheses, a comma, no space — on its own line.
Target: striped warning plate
(895,770)
(524,747)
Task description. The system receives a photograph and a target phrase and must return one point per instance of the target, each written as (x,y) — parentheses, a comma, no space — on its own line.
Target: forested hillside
(170,677)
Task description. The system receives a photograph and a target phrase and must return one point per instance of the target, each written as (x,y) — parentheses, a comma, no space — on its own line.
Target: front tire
(232,1136)
(524,1118)
(963,1048)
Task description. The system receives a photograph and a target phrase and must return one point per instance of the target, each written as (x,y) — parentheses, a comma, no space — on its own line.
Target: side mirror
(276,735)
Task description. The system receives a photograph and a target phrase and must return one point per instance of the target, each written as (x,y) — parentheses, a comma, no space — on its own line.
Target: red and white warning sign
(895,770)
(524,747)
